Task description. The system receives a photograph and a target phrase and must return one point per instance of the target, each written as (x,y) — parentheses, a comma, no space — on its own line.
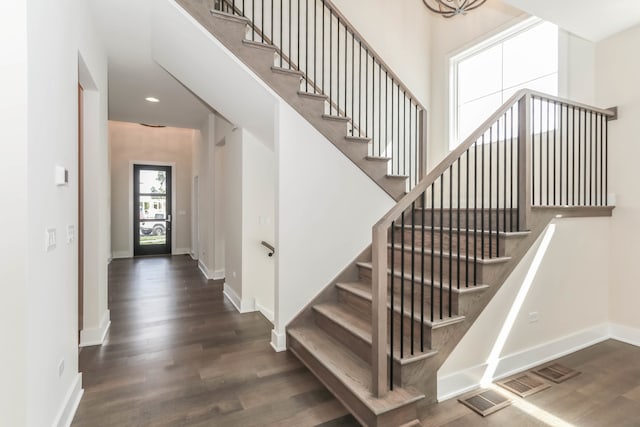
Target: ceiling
(125,29)
(593,20)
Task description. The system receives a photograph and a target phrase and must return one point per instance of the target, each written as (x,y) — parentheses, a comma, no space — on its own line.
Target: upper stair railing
(314,38)
(536,150)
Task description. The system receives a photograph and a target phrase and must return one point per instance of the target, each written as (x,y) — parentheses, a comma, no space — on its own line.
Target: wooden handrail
(522,98)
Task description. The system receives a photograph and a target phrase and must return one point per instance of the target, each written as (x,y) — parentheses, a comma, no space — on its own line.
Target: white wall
(47,296)
(569,292)
(232,205)
(320,198)
(618,67)
(258,224)
(400,32)
(132,143)
(204,158)
(13,179)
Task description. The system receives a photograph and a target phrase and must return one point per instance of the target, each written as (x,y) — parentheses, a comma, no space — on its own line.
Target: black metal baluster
(579,153)
(253,19)
(346,66)
(330,62)
(475,210)
(262,22)
(547,135)
(273,37)
(450,235)
(290,25)
(606,162)
(306,46)
(393,291)
(560,163)
(413,269)
(441,238)
(424,206)
(504,184)
(353,74)
(490,179)
(380,112)
(533,150)
(315,45)
(584,190)
(433,202)
(338,67)
(466,245)
(573,155)
(359,88)
(511,148)
(366,93)
(298,31)
(602,118)
(591,159)
(401,288)
(281,35)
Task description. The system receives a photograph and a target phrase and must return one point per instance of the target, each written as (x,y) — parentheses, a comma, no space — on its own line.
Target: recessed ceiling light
(152,99)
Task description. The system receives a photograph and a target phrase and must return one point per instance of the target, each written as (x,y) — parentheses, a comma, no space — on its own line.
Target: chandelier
(451,8)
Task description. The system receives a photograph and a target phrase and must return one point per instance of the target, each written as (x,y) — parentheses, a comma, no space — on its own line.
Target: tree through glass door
(152,210)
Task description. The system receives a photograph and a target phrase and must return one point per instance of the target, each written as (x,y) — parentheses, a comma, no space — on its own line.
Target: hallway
(178,353)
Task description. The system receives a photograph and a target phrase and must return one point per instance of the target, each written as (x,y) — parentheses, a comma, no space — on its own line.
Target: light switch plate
(50,242)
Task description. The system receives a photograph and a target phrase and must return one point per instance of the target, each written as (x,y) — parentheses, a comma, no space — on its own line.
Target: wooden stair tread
(445,230)
(427,251)
(427,281)
(361,328)
(350,370)
(229,17)
(365,293)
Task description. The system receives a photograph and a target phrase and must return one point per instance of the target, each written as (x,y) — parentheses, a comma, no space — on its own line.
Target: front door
(151,210)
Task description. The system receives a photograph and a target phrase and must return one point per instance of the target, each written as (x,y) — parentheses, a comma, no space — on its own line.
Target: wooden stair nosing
(353,324)
(398,177)
(378,159)
(286,71)
(229,17)
(437,323)
(259,45)
(350,370)
(336,118)
(358,139)
(317,96)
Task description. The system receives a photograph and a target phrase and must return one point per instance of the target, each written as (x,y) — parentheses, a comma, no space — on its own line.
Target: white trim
(203,269)
(625,334)
(95,336)
(71,402)
(265,312)
(218,274)
(463,381)
(193,256)
(278,340)
(242,305)
(122,254)
(181,251)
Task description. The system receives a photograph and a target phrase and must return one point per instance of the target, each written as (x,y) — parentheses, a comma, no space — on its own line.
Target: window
(487,75)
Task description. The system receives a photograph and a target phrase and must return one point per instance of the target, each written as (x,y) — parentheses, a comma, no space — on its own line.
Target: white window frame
(491,41)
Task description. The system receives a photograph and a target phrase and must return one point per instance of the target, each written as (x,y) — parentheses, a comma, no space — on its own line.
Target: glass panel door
(152,210)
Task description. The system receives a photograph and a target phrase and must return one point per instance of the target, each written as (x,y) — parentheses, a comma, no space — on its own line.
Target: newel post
(525,168)
(379,377)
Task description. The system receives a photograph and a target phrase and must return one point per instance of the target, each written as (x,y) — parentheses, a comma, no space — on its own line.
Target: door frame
(174,225)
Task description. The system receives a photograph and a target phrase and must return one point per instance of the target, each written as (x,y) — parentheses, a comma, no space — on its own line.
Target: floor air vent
(524,385)
(485,402)
(556,373)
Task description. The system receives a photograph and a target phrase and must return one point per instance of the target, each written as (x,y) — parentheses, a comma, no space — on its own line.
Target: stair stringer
(425,378)
(229,30)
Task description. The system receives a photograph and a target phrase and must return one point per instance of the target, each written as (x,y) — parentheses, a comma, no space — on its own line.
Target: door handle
(169,218)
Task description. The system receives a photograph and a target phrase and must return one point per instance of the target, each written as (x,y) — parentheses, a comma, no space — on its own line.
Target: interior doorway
(151,210)
(80,211)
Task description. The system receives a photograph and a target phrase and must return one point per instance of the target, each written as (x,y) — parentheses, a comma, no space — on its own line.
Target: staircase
(333,79)
(377,335)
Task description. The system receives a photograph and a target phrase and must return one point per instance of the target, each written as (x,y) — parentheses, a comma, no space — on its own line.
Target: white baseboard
(458,383)
(70,404)
(181,251)
(246,305)
(122,254)
(278,340)
(625,334)
(203,268)
(194,256)
(218,274)
(265,312)
(95,336)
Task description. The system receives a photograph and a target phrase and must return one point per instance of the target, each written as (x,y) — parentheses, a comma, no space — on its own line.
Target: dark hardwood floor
(179,354)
